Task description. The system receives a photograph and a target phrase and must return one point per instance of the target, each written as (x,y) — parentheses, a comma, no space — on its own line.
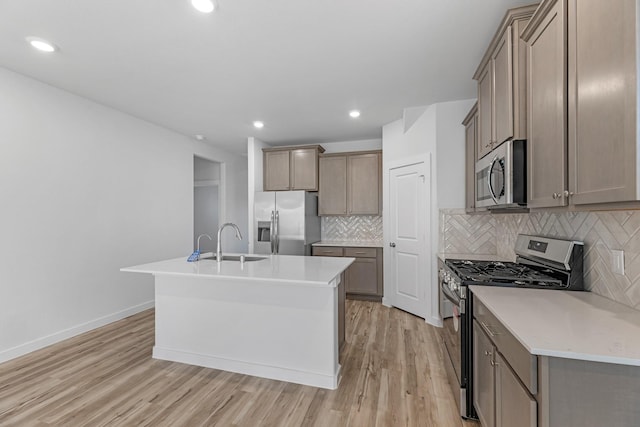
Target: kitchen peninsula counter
(281,317)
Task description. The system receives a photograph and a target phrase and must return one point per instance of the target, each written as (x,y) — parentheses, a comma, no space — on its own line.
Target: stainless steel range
(541,262)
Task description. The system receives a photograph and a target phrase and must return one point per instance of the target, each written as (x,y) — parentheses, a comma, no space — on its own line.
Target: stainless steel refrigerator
(286,222)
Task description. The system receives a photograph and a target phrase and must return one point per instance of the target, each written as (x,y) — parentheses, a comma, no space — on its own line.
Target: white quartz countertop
(349,244)
(572,325)
(312,271)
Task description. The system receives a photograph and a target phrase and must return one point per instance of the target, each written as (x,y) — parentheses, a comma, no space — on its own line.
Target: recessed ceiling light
(42,44)
(204,6)
(199,137)
(354,113)
(258,124)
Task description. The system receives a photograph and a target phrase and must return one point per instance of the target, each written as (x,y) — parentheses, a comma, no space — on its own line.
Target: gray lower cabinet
(484,390)
(515,388)
(504,374)
(363,278)
(514,405)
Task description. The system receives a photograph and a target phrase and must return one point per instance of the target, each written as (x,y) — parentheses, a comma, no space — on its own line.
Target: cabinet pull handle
(487,353)
(487,328)
(568,193)
(361,253)
(494,363)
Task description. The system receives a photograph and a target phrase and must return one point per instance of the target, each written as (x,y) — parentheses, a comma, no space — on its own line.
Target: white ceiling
(298,65)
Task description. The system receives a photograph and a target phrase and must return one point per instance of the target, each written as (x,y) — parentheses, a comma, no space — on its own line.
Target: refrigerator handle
(272,229)
(277,233)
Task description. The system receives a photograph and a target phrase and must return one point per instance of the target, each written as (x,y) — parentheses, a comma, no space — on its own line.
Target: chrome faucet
(200,236)
(219,248)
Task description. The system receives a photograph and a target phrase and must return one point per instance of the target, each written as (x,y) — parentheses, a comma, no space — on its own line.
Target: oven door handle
(489,184)
(450,295)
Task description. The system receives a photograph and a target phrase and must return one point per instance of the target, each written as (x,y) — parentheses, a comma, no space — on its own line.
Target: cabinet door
(332,194)
(546,146)
(470,164)
(362,277)
(514,404)
(485,111)
(276,170)
(363,184)
(503,88)
(304,169)
(483,377)
(602,101)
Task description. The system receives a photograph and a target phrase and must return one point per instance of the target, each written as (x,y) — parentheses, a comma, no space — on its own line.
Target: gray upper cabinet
(332,197)
(502,90)
(471,136)
(485,112)
(583,80)
(276,170)
(546,147)
(304,169)
(603,101)
(350,184)
(363,184)
(291,168)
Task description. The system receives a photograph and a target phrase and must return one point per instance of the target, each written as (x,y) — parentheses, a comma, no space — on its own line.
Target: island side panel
(284,331)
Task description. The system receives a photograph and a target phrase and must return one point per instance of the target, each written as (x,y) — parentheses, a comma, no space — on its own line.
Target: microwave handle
(493,193)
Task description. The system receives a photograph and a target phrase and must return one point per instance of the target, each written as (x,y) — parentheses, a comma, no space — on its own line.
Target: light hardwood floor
(393,375)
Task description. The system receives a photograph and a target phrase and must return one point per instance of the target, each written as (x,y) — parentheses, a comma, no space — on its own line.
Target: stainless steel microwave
(501,176)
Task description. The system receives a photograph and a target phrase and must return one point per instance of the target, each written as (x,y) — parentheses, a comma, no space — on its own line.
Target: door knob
(393,245)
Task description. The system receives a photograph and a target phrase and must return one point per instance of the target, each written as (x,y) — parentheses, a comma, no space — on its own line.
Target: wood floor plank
(392,375)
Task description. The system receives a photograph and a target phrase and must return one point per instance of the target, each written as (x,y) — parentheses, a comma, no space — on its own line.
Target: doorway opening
(206,202)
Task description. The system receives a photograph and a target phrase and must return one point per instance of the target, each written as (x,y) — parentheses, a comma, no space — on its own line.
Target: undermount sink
(247,258)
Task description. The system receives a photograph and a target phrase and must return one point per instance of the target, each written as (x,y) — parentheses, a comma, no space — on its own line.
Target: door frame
(222,190)
(424,158)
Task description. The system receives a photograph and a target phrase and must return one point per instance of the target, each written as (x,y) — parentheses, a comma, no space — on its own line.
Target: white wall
(345,146)
(437,131)
(86,190)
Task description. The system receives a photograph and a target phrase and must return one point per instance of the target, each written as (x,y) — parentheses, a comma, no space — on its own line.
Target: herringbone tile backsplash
(601,232)
(352,228)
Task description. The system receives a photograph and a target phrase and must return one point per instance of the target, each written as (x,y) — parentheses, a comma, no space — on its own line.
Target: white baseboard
(56,337)
(435,321)
(249,368)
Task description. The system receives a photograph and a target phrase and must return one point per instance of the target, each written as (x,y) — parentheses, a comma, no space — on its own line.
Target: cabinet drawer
(326,251)
(360,252)
(523,363)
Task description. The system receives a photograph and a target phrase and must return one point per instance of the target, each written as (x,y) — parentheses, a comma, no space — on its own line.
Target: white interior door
(409,191)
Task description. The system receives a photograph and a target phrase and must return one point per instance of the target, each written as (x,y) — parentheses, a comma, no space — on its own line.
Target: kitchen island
(281,317)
